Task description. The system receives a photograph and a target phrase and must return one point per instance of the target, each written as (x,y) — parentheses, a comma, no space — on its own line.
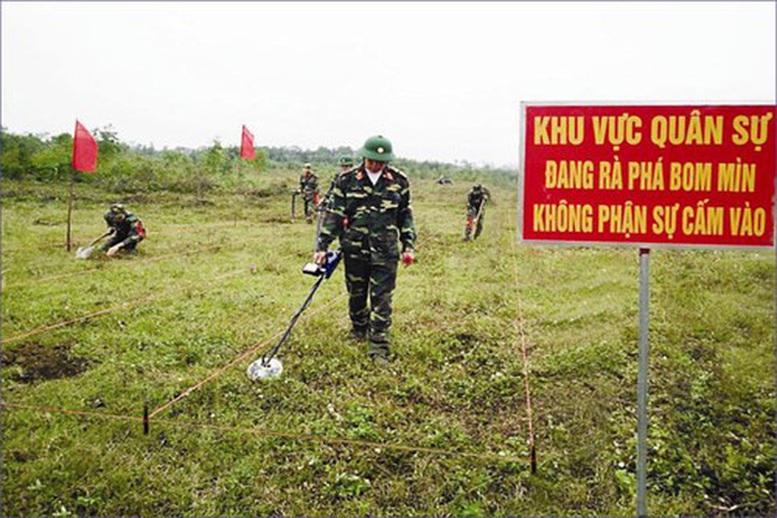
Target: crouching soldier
(126,231)
(371,214)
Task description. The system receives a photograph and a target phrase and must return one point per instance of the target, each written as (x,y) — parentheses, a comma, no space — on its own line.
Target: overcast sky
(442,80)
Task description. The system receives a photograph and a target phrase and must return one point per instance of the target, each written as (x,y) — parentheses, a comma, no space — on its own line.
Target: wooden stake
(70,205)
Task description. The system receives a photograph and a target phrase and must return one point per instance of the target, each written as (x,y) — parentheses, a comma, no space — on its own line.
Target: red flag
(84,150)
(247,145)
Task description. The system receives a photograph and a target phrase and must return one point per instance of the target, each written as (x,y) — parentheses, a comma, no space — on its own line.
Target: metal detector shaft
(321,211)
(269,356)
(294,206)
(96,240)
(480,211)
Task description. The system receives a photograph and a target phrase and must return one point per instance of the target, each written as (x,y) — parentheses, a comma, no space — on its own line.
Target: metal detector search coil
(258,371)
(84,253)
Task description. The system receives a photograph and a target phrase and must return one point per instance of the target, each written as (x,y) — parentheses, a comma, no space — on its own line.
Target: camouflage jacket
(370,221)
(128,230)
(308,185)
(475,196)
(327,197)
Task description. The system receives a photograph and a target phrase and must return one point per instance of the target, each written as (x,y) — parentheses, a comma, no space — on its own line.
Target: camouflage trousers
(310,205)
(472,213)
(374,281)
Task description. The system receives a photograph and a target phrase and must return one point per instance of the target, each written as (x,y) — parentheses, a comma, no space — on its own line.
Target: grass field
(444,431)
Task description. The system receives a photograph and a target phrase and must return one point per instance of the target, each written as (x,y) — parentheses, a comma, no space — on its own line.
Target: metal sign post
(774,241)
(642,380)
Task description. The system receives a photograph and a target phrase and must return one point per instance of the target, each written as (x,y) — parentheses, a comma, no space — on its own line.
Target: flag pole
(70,205)
(237,188)
(84,159)
(244,155)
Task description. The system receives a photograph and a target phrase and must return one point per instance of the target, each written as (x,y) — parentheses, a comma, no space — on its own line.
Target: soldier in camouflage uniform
(476,210)
(308,186)
(371,215)
(345,162)
(126,230)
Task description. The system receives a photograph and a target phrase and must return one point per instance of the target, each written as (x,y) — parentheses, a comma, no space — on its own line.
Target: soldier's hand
(319,258)
(112,250)
(408,257)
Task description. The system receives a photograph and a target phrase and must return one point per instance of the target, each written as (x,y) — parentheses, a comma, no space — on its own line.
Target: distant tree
(54,160)
(259,163)
(18,151)
(108,143)
(214,157)
(146,149)
(174,157)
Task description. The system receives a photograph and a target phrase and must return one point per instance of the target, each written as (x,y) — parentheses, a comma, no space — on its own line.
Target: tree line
(122,167)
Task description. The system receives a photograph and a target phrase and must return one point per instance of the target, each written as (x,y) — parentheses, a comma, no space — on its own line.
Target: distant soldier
(126,231)
(345,162)
(444,180)
(476,210)
(371,214)
(308,186)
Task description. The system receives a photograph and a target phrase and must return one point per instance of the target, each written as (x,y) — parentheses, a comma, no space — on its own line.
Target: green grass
(443,432)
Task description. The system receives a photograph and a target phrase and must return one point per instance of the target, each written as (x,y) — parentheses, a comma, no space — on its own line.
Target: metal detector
(477,219)
(321,210)
(84,253)
(270,367)
(294,195)
(468,230)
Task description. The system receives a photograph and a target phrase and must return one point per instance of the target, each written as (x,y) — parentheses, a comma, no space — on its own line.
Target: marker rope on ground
(53,246)
(260,431)
(518,323)
(240,357)
(221,370)
(95,270)
(123,305)
(491,457)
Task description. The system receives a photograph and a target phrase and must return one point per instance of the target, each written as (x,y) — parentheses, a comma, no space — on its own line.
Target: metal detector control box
(327,269)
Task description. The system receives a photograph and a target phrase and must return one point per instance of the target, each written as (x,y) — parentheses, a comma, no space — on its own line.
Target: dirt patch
(33,362)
